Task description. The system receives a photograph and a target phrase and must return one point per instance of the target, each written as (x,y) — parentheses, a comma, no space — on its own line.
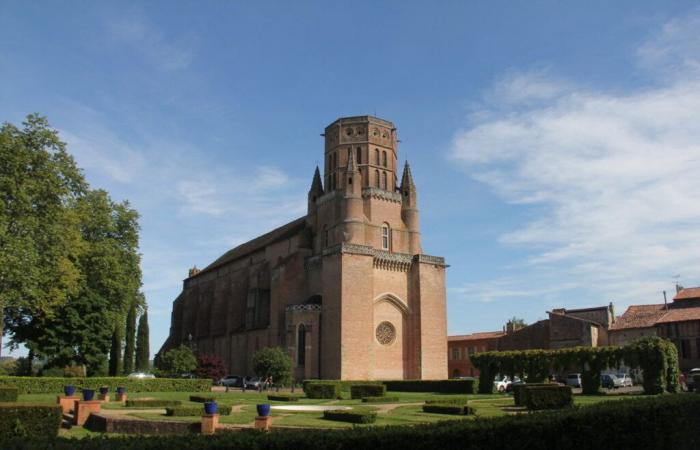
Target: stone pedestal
(66,402)
(263,423)
(82,410)
(209,423)
(121,397)
(103,397)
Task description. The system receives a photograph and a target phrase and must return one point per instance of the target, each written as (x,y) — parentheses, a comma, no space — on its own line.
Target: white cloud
(614,175)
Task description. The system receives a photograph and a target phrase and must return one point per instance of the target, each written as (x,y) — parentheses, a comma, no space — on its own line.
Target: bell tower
(373,144)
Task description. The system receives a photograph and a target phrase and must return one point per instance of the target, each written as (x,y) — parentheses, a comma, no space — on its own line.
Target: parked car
(501,383)
(230,381)
(253,382)
(690,380)
(516,381)
(140,375)
(625,380)
(573,380)
(610,381)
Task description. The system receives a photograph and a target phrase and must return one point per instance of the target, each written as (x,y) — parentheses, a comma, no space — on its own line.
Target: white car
(502,383)
(625,380)
(573,380)
(140,375)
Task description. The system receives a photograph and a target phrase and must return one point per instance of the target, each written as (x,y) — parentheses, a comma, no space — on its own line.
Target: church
(346,289)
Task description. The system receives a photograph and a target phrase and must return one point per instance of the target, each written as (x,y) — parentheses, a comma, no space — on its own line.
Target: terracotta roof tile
(639,316)
(687,293)
(680,315)
(475,336)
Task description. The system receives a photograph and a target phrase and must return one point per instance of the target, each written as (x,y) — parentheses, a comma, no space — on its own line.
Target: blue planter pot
(120,390)
(211,407)
(69,390)
(104,390)
(88,394)
(263,409)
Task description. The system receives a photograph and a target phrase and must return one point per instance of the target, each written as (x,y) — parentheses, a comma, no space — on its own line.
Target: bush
(179,411)
(446,408)
(354,416)
(18,420)
(273,362)
(210,366)
(367,390)
(34,385)
(345,385)
(519,392)
(696,383)
(463,386)
(459,401)
(8,394)
(202,398)
(283,397)
(322,389)
(548,397)
(152,403)
(380,399)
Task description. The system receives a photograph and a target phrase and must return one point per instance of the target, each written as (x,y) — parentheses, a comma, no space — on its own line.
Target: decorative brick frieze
(381,194)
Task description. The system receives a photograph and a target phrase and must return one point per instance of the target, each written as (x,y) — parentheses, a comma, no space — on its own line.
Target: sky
(555,145)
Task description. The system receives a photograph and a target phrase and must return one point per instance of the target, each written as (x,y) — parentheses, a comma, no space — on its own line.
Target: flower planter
(104,390)
(69,390)
(120,390)
(211,407)
(88,394)
(263,409)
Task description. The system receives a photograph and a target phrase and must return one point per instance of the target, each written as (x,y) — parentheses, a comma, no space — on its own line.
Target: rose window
(386,333)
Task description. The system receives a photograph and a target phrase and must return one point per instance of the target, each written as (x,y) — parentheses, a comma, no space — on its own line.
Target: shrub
(44,385)
(283,397)
(354,416)
(202,398)
(273,362)
(322,389)
(519,392)
(18,420)
(152,403)
(459,401)
(367,390)
(548,397)
(345,385)
(8,394)
(179,411)
(446,408)
(210,366)
(462,386)
(696,383)
(177,360)
(384,399)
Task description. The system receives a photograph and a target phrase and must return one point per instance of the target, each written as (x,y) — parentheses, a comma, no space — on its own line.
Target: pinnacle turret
(352,167)
(407,179)
(316,185)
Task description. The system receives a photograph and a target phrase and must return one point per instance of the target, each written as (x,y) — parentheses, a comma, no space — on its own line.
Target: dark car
(609,381)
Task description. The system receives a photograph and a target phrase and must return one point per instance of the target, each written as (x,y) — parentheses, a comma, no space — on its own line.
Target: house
(461,347)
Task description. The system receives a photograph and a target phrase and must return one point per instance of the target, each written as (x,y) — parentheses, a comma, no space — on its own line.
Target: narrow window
(301,345)
(376,156)
(384,159)
(349,154)
(384,180)
(359,155)
(376,178)
(386,237)
(325,236)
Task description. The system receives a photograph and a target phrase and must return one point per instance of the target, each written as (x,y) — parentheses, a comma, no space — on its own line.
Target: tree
(178,360)
(273,362)
(517,322)
(115,352)
(39,238)
(142,346)
(130,339)
(210,366)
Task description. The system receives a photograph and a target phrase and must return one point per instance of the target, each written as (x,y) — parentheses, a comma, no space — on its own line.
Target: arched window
(358,157)
(376,156)
(384,159)
(301,345)
(376,178)
(386,236)
(384,181)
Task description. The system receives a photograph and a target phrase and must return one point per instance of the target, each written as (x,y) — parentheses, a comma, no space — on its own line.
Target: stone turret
(315,193)
(409,209)
(353,212)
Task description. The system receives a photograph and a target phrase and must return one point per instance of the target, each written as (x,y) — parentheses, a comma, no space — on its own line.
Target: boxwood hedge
(384,399)
(352,416)
(459,386)
(151,403)
(519,392)
(367,390)
(28,421)
(178,411)
(446,408)
(322,389)
(547,397)
(283,397)
(202,398)
(8,394)
(51,385)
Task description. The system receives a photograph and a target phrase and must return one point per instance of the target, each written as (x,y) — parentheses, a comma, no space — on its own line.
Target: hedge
(202,398)
(384,399)
(696,383)
(446,408)
(519,394)
(8,394)
(27,421)
(459,401)
(47,385)
(283,397)
(659,422)
(354,416)
(322,389)
(367,390)
(345,385)
(463,386)
(547,397)
(151,403)
(178,411)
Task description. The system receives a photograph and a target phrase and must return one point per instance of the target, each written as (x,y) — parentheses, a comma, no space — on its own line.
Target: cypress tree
(130,339)
(115,352)
(142,351)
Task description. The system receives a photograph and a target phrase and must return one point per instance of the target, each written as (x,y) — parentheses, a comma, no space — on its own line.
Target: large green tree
(177,361)
(142,345)
(39,236)
(273,362)
(115,352)
(130,339)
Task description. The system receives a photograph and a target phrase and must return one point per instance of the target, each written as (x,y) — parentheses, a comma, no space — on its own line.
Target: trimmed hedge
(48,385)
(8,394)
(548,397)
(152,403)
(466,386)
(27,421)
(322,389)
(202,398)
(519,392)
(345,385)
(696,383)
(459,401)
(367,390)
(446,408)
(179,411)
(355,416)
(380,399)
(283,397)
(660,422)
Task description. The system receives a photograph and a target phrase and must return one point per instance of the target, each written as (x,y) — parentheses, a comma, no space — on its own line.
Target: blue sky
(554,144)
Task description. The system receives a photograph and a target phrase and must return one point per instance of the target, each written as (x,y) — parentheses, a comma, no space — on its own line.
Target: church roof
(283,232)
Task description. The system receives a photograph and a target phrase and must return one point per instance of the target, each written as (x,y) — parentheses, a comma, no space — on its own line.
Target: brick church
(346,289)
